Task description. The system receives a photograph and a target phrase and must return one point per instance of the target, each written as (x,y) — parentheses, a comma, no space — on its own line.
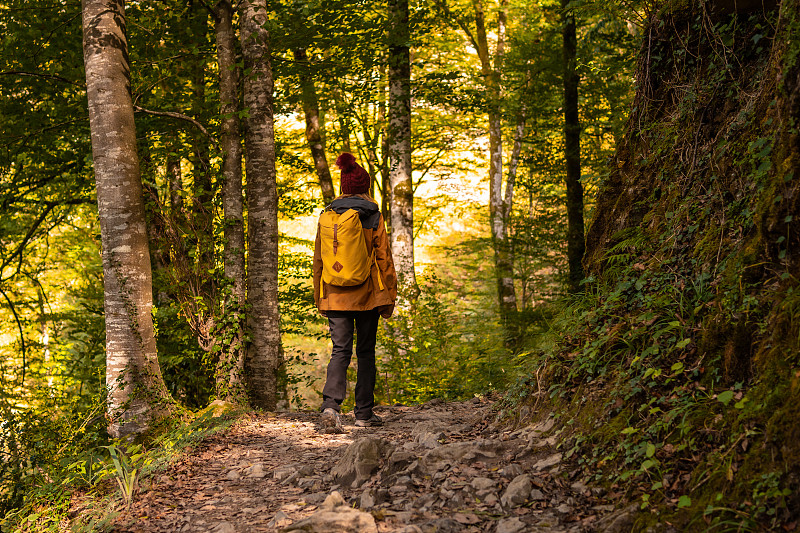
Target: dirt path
(438,467)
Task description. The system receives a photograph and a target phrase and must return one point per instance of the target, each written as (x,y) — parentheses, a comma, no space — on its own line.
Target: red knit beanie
(355,180)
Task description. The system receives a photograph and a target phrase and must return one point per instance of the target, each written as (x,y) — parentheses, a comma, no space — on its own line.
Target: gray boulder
(361,459)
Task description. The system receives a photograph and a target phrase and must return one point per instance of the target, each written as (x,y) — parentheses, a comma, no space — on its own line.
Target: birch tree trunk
(263,354)
(230,367)
(137,394)
(506,294)
(313,126)
(399,133)
(576,243)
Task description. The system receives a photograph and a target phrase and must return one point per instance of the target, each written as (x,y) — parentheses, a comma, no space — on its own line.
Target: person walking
(355,283)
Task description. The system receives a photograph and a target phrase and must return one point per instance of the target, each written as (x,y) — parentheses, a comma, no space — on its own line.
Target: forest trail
(439,467)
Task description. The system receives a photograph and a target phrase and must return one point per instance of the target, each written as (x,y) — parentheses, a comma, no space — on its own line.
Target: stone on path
(431,439)
(256,471)
(361,459)
(482,484)
(457,452)
(618,522)
(224,527)
(409,529)
(285,471)
(517,492)
(547,462)
(280,519)
(442,525)
(398,461)
(510,525)
(335,516)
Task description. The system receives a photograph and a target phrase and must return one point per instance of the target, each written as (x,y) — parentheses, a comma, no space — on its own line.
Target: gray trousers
(342,325)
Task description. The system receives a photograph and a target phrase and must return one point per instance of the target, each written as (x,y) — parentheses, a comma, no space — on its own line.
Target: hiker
(354,284)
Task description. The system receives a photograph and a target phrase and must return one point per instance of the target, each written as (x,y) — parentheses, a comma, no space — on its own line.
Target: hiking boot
(331,423)
(372,422)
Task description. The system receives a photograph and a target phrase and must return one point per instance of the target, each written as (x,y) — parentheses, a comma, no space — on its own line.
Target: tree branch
(179,116)
(459,22)
(38,75)
(21,333)
(28,236)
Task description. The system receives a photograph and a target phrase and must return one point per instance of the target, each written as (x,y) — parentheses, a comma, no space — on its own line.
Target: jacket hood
(368,211)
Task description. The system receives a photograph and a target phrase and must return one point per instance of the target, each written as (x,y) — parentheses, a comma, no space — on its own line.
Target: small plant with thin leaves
(127,476)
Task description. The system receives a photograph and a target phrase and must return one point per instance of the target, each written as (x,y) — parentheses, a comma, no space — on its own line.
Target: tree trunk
(230,367)
(314,126)
(175,179)
(340,106)
(572,151)
(203,208)
(263,354)
(137,394)
(506,295)
(402,195)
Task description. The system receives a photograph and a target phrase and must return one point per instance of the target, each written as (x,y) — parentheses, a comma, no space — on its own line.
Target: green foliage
(432,350)
(127,476)
(85,459)
(187,369)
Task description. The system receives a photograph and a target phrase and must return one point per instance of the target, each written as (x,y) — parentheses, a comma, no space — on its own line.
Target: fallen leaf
(467,518)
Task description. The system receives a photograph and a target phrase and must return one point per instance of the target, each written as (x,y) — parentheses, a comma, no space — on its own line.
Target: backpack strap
(375,260)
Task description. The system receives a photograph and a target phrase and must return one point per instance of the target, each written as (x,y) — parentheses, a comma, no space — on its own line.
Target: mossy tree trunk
(137,393)
(230,367)
(572,152)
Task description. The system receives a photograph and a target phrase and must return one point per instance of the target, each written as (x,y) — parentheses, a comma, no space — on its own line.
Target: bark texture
(203,207)
(230,368)
(263,354)
(572,148)
(506,294)
(137,392)
(399,136)
(314,126)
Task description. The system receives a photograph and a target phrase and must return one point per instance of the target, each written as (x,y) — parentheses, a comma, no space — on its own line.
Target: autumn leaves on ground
(437,467)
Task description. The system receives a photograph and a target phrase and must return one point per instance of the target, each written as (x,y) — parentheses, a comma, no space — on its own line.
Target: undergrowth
(83,481)
(675,373)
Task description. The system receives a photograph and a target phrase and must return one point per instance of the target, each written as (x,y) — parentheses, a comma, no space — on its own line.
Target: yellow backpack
(345,261)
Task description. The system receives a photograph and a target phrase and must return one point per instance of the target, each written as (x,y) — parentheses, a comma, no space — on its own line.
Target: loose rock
(335,516)
(517,492)
(224,527)
(618,522)
(256,471)
(510,525)
(547,462)
(360,461)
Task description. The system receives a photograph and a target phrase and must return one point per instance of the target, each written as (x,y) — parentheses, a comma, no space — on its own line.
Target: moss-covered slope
(682,373)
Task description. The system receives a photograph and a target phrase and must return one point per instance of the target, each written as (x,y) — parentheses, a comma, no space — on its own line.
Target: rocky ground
(439,467)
